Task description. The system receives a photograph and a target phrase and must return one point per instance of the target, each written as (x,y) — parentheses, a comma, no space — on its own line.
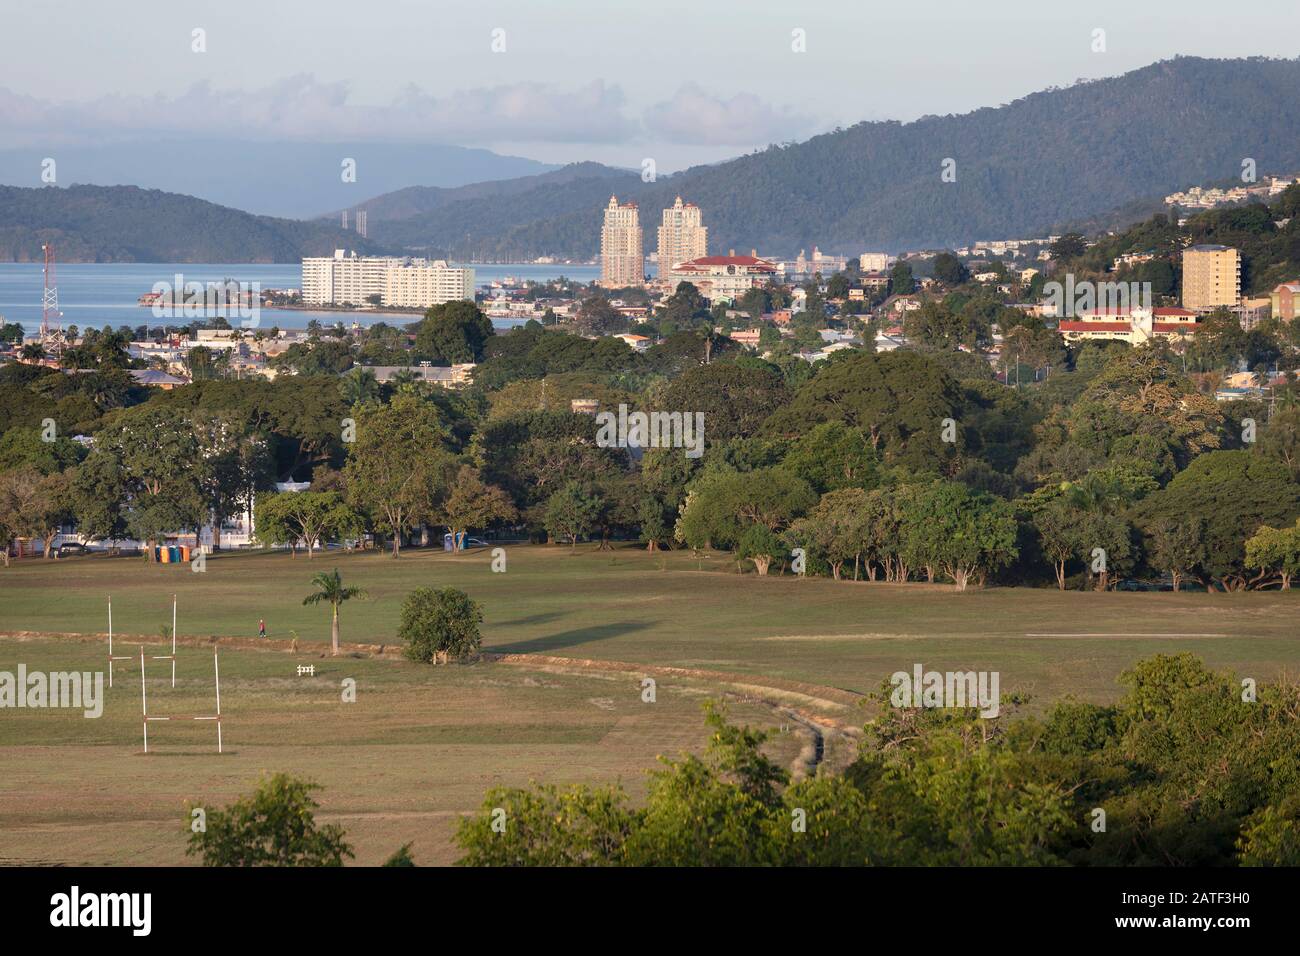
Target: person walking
(261,628)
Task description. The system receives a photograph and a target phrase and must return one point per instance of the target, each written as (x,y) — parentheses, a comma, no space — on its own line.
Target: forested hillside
(1055,157)
(128,224)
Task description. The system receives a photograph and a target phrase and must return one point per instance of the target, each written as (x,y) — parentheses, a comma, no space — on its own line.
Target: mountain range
(290,179)
(1052,159)
(1045,161)
(129,224)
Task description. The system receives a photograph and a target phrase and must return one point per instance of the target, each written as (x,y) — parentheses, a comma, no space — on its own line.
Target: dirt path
(820,711)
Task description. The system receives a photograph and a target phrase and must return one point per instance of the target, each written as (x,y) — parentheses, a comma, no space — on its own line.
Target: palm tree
(359,386)
(329,587)
(403,380)
(32,352)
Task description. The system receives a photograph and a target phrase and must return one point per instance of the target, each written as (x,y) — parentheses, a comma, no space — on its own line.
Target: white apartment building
(418,284)
(344,279)
(873,262)
(682,236)
(622,262)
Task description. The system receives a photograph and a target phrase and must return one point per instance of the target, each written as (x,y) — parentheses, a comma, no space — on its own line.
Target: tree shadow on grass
(543,617)
(565,639)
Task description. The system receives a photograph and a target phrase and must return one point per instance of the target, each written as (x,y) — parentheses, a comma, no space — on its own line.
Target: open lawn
(627,605)
(422,744)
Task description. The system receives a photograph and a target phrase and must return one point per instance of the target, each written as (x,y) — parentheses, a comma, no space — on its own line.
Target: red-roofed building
(1135,326)
(725,277)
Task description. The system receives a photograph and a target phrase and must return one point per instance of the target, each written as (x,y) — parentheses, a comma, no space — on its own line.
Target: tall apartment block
(873,262)
(399,283)
(682,237)
(622,262)
(1211,277)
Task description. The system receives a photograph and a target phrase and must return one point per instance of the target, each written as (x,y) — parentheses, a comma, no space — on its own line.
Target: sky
(565,80)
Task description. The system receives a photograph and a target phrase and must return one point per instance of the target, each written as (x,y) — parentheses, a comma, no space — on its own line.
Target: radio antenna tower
(51,317)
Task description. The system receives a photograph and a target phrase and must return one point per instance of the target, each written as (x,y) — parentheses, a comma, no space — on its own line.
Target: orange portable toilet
(164,554)
(185,553)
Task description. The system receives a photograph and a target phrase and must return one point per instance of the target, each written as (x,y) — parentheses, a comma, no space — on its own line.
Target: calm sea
(99,294)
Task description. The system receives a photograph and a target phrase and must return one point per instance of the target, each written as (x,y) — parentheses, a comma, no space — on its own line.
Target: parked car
(71,548)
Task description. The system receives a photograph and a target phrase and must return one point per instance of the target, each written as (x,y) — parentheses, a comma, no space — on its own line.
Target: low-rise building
(725,277)
(638,343)
(1135,326)
(1284,299)
(448,376)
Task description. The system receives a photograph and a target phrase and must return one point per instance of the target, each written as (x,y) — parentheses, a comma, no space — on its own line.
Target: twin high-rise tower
(682,237)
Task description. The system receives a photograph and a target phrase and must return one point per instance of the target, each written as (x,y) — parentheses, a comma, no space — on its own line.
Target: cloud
(303,108)
(695,117)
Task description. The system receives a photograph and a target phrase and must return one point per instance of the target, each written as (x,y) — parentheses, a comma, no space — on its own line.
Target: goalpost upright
(172,656)
(144,702)
(111,658)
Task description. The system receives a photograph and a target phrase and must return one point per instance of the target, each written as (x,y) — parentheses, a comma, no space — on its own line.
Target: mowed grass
(675,609)
(419,747)
(422,745)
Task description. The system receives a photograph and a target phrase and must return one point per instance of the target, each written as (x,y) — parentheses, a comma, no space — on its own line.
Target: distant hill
(128,224)
(298,180)
(1058,156)
(418,200)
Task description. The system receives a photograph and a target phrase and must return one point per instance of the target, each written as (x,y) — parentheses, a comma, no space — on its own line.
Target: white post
(144,706)
(173,641)
(216,673)
(110,641)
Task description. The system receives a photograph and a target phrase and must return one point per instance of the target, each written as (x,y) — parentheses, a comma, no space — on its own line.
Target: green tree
(949,270)
(898,399)
(330,589)
(452,332)
(276,826)
(1176,546)
(1275,551)
(399,466)
(306,518)
(761,545)
(472,503)
(1235,493)
(437,624)
(965,535)
(571,513)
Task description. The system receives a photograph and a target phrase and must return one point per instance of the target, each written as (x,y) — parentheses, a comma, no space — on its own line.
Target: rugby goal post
(144,702)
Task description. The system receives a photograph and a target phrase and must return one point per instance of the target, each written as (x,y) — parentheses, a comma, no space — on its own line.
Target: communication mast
(51,317)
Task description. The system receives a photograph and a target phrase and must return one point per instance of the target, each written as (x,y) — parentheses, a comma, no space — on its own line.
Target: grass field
(422,744)
(419,746)
(628,605)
